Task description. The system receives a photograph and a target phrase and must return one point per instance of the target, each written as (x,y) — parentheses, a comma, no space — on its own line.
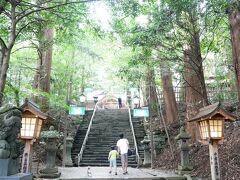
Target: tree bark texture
(234,20)
(196,94)
(6,49)
(3,72)
(169,95)
(195,88)
(43,75)
(152,98)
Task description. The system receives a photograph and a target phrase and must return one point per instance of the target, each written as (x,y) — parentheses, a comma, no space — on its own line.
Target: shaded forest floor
(229,153)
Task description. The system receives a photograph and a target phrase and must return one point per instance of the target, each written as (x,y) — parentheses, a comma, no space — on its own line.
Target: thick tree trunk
(43,75)
(5,58)
(234,20)
(196,94)
(6,49)
(151,92)
(44,84)
(168,95)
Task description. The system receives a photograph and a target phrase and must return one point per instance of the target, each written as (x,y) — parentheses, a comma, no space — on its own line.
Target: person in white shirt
(123,146)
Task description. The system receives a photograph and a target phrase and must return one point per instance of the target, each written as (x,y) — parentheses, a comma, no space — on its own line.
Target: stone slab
(13,167)
(9,167)
(19,176)
(4,167)
(102,173)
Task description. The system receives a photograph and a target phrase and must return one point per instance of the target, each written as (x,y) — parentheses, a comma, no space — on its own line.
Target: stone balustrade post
(69,143)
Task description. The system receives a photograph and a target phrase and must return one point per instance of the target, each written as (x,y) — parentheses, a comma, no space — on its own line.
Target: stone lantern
(50,137)
(182,137)
(146,147)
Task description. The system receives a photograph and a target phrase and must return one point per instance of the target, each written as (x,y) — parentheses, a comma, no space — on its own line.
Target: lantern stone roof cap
(211,110)
(34,108)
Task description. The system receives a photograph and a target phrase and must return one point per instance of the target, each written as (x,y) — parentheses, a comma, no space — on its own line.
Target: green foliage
(142,35)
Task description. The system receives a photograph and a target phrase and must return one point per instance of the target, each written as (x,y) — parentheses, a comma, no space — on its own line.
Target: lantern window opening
(28,127)
(204,129)
(215,128)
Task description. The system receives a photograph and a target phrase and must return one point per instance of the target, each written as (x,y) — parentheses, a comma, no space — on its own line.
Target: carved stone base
(55,175)
(184,170)
(147,158)
(68,164)
(49,173)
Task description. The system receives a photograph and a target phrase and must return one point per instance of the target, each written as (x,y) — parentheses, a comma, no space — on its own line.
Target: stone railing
(139,162)
(86,136)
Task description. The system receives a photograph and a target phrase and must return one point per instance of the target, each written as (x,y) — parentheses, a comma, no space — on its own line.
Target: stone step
(130,161)
(107,124)
(87,158)
(102,164)
(105,163)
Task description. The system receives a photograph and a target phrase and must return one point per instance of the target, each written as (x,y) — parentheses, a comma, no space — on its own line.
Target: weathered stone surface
(13,166)
(184,167)
(10,125)
(4,167)
(49,170)
(50,137)
(55,175)
(69,142)
(147,155)
(19,176)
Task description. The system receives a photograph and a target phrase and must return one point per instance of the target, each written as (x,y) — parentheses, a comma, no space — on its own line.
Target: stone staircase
(80,135)
(139,134)
(106,126)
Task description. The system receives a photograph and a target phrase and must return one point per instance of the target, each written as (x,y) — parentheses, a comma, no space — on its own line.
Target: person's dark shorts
(124,158)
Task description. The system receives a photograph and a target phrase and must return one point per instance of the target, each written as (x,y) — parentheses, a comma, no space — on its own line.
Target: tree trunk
(234,20)
(5,58)
(196,94)
(168,95)
(44,84)
(152,99)
(6,49)
(151,92)
(43,75)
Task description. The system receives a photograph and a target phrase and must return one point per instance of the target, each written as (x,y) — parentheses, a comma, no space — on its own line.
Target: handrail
(86,136)
(134,138)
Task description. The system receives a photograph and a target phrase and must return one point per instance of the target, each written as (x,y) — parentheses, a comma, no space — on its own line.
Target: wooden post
(27,157)
(151,126)
(214,160)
